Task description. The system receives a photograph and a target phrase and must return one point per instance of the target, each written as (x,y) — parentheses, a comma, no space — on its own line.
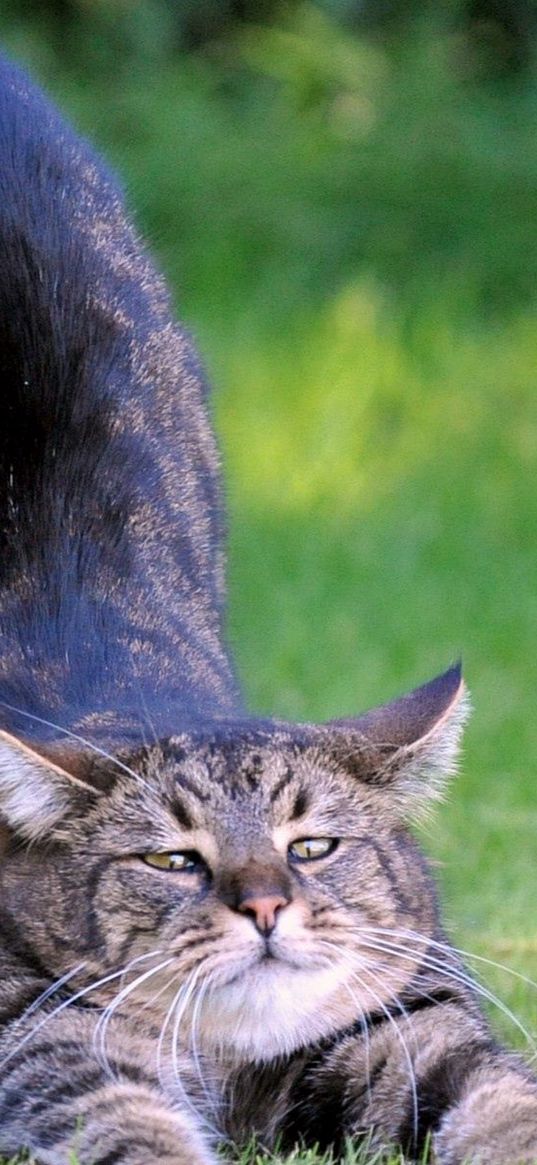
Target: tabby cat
(211,926)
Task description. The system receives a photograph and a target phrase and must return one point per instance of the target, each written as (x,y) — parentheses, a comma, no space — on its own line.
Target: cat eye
(185,861)
(310,848)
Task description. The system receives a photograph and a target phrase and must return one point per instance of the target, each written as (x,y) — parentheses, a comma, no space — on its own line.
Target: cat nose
(263,911)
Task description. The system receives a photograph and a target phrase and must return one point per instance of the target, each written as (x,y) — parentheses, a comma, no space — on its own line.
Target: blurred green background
(344,198)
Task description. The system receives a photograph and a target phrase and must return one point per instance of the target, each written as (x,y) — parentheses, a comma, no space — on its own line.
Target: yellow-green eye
(186,860)
(310,848)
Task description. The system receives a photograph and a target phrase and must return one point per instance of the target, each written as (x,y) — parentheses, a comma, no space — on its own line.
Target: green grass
(351,233)
(353,1155)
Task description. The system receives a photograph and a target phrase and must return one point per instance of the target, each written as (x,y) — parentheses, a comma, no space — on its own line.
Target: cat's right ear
(408,747)
(36,792)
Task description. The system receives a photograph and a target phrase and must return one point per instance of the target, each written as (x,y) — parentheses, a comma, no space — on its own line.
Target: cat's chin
(274,1008)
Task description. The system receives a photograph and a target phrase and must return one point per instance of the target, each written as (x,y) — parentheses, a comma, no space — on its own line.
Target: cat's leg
(458,1090)
(433,1076)
(495,1120)
(61,1103)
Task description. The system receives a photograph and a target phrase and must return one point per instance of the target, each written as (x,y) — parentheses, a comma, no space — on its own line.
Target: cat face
(242,872)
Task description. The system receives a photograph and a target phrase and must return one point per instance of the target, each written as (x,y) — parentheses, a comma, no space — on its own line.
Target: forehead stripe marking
(180,811)
(184,783)
(300,806)
(282,784)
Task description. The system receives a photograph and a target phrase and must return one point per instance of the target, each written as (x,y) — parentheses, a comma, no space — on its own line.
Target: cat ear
(36,791)
(409,746)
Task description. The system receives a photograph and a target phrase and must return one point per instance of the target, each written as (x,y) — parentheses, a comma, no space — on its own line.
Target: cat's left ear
(37,789)
(410,746)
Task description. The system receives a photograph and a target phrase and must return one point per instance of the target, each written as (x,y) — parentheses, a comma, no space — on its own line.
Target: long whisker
(399,1034)
(455,974)
(58,983)
(358,973)
(101,1029)
(162,1034)
(143,702)
(405,1016)
(75,736)
(180,1011)
(178,1005)
(446,948)
(459,975)
(362,1015)
(67,1003)
(203,991)
(161,991)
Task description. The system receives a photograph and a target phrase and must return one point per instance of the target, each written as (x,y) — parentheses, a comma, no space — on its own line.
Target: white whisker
(184,1003)
(178,1006)
(362,1017)
(162,1035)
(66,1003)
(203,991)
(358,973)
(50,991)
(80,739)
(446,948)
(453,973)
(161,991)
(400,1036)
(100,1034)
(145,708)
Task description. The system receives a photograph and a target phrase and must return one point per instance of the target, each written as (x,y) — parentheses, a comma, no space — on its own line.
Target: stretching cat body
(211,926)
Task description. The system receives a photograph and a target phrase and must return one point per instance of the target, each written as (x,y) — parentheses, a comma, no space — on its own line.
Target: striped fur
(146,1013)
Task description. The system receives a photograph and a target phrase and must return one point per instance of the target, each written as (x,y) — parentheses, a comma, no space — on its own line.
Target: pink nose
(263,911)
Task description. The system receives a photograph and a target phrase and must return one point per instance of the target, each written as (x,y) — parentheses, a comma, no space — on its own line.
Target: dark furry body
(350,1015)
(110,505)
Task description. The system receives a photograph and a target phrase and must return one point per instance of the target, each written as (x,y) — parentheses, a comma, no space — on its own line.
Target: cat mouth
(268,959)
(287,962)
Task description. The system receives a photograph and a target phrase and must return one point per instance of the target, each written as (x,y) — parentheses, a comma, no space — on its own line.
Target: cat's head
(256,871)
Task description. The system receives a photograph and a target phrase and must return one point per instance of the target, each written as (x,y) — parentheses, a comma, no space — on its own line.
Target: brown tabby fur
(148,1014)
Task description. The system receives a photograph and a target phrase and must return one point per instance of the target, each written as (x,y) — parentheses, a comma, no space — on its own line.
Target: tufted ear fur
(36,791)
(409,746)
